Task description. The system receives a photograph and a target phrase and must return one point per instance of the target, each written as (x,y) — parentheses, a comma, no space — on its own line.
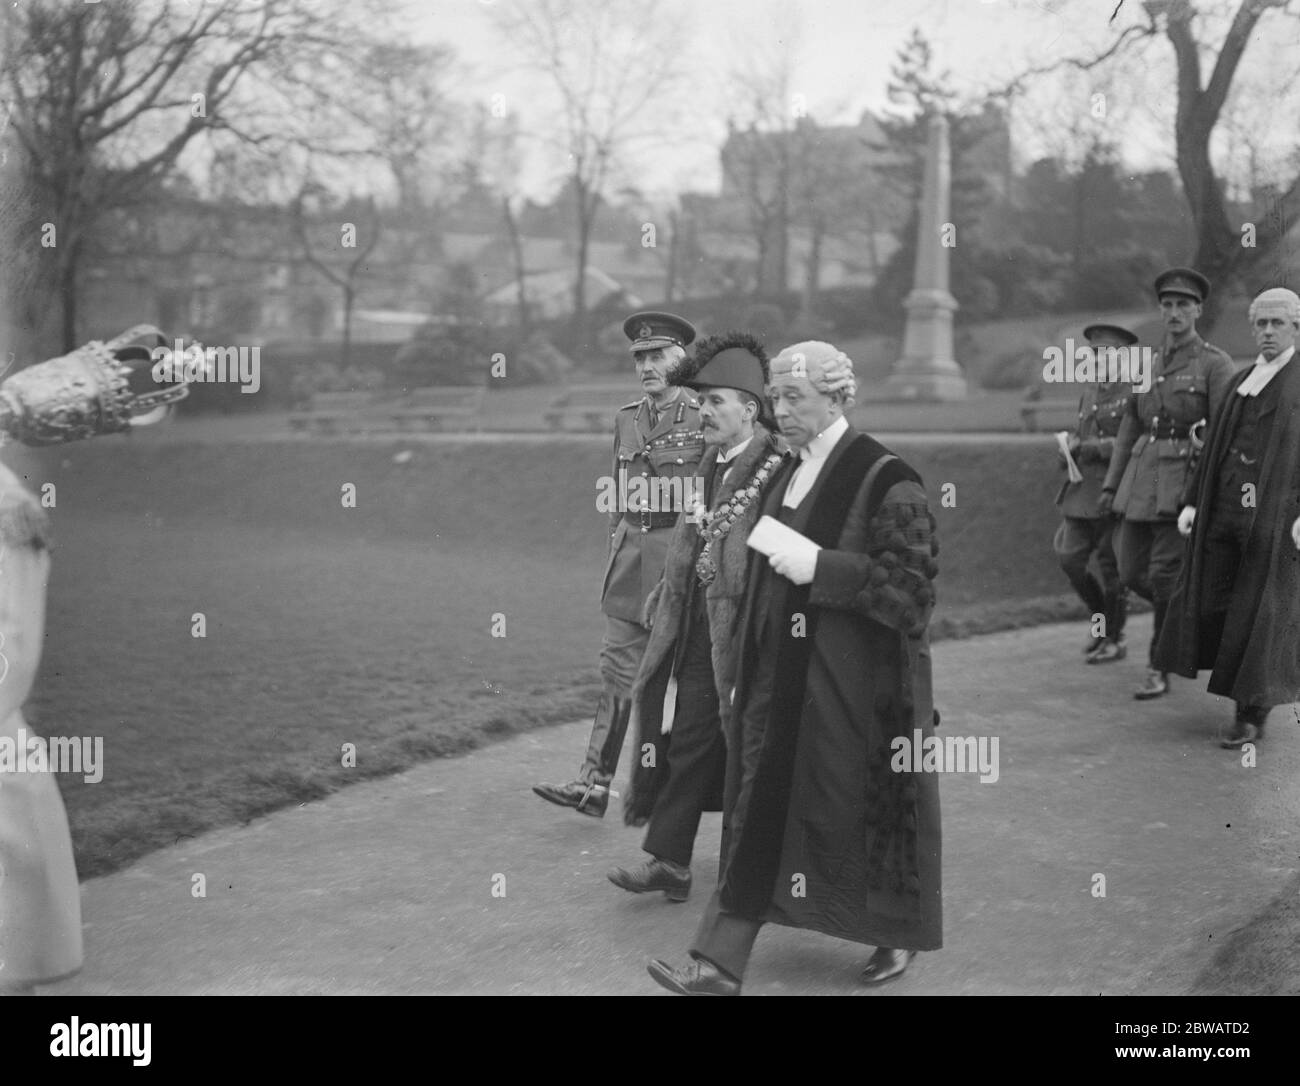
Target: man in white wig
(821,831)
(1237,606)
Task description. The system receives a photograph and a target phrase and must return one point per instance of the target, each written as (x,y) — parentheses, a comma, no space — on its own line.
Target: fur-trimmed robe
(669,604)
(819,830)
(1257,661)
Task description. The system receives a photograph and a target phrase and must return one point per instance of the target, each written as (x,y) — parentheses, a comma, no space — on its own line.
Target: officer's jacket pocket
(1109,417)
(672,460)
(1172,469)
(1187,398)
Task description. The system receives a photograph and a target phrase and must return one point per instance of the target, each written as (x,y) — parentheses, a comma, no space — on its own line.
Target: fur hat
(729,360)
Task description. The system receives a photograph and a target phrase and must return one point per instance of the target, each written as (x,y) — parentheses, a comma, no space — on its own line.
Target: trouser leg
(1114,594)
(1074,546)
(608,731)
(620,656)
(695,746)
(725,939)
(1165,564)
(1221,557)
(1133,554)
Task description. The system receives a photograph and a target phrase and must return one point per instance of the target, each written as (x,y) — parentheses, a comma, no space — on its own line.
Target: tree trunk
(586,213)
(763,271)
(68,268)
(1080,224)
(812,276)
(345,347)
(521,283)
(782,270)
(670,283)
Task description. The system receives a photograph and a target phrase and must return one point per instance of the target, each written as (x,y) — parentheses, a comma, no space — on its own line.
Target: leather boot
(1090,592)
(589,794)
(607,762)
(1114,647)
(1248,726)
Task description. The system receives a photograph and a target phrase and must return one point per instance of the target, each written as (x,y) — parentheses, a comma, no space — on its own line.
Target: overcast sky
(844,53)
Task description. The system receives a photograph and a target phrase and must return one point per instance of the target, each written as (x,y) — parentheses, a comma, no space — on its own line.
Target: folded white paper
(1071,468)
(769,535)
(670,706)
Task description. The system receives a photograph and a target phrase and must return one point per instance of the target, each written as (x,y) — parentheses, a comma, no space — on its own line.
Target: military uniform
(667,448)
(1083,531)
(658,445)
(1153,458)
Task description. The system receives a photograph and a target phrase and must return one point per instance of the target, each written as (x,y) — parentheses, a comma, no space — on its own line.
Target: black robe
(818,831)
(1258,658)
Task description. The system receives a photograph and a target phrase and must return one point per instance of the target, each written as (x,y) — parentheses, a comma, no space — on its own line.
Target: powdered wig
(828,369)
(1275,300)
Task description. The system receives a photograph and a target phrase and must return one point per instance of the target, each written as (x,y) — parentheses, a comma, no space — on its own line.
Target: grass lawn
(373,626)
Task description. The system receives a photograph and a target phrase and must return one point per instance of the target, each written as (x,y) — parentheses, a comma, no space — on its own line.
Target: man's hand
(1106,503)
(1295,533)
(796,563)
(1187,518)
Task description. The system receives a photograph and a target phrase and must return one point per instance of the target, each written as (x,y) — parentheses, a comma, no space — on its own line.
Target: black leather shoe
(1243,732)
(1109,651)
(655,874)
(590,799)
(1155,684)
(886,964)
(700,978)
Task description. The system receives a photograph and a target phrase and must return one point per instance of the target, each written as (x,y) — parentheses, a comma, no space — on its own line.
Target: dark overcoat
(1257,661)
(670,604)
(818,831)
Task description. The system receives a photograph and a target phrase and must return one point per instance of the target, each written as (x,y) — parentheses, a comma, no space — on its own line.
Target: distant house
(549,294)
(235,273)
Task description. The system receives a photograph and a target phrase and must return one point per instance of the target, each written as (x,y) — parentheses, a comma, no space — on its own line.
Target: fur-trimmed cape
(669,606)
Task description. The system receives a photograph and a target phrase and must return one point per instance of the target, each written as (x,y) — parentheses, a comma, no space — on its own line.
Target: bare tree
(1189,28)
(402,101)
(758,153)
(356,240)
(608,61)
(105,98)
(835,188)
(495,159)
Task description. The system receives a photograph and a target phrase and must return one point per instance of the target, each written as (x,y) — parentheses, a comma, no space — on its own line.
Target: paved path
(386,887)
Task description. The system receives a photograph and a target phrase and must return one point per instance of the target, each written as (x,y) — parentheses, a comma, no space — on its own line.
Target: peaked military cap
(651,329)
(1122,334)
(1186,281)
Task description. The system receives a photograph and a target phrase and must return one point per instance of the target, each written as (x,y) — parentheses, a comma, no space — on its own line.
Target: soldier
(1153,456)
(1084,532)
(657,439)
(1237,607)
